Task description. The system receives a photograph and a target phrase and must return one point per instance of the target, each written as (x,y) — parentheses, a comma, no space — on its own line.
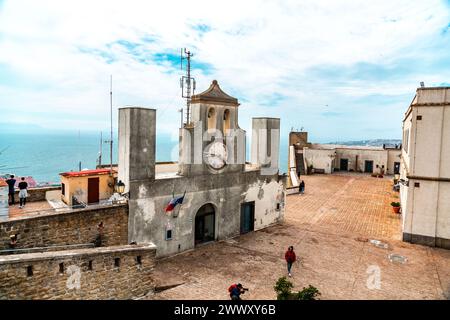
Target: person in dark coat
(11,182)
(302,187)
(290,258)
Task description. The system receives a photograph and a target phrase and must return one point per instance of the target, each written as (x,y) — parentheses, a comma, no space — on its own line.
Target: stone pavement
(31,209)
(330,227)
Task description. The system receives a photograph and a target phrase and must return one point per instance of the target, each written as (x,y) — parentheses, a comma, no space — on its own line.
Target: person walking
(302,187)
(290,259)
(23,194)
(11,182)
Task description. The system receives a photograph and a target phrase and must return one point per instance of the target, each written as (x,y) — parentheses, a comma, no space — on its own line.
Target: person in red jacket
(290,258)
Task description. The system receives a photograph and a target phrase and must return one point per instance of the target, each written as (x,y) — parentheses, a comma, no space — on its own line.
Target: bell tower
(212,142)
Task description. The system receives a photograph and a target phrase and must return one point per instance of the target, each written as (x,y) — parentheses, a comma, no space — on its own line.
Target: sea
(44,155)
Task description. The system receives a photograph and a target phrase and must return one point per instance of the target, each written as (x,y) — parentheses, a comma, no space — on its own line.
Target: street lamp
(119,187)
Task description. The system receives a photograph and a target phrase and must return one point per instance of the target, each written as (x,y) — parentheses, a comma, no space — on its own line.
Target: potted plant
(396,206)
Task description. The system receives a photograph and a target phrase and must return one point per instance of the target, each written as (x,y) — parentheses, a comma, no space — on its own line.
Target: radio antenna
(188,82)
(111,141)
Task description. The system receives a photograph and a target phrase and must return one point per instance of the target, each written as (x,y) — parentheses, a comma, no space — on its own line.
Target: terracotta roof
(3,183)
(214,94)
(95,172)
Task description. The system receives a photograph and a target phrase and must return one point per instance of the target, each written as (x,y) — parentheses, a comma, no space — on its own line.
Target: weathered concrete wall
(4,198)
(266,143)
(425,200)
(72,227)
(357,157)
(78,187)
(394,155)
(149,222)
(432,142)
(320,158)
(329,158)
(137,132)
(266,195)
(79,274)
(299,139)
(37,194)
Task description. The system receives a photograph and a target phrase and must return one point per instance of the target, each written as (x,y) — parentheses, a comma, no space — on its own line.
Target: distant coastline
(45,154)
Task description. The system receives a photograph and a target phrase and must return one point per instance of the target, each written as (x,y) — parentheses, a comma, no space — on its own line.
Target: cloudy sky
(343,70)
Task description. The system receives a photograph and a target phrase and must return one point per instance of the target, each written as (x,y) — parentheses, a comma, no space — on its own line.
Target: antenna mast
(100,151)
(187,81)
(111,137)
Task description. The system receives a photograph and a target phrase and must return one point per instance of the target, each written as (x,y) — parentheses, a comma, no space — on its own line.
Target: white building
(222,195)
(425,168)
(328,158)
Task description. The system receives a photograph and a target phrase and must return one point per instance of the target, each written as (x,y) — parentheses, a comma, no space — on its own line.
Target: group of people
(235,290)
(23,194)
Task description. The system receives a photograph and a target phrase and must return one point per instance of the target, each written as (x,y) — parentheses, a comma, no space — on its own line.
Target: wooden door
(93,190)
(247,217)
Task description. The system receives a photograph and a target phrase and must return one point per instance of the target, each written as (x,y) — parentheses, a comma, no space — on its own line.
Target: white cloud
(257,49)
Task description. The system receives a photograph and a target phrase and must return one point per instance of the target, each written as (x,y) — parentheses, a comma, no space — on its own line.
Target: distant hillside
(372,142)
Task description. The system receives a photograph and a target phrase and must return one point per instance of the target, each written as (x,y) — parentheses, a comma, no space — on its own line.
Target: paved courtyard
(331,227)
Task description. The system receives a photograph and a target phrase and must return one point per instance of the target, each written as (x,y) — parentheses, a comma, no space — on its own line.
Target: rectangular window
(90,265)
(117,262)
(139,260)
(30,271)
(61,268)
(63,189)
(419,117)
(417,184)
(406,140)
(168,234)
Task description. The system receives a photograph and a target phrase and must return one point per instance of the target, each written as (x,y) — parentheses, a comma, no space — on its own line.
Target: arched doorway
(205,224)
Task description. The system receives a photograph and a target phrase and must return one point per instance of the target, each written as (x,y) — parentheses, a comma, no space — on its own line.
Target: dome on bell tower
(214,95)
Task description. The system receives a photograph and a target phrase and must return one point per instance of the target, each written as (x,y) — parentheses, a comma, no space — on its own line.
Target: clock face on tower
(215,155)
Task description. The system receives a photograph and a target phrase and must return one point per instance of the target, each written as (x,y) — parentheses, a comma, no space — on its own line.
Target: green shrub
(283,289)
(395,204)
(309,293)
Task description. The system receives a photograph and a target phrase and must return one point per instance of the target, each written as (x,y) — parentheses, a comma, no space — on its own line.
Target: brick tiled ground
(328,226)
(30,209)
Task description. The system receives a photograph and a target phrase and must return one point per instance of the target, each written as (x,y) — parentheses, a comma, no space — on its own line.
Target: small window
(278,206)
(117,262)
(61,268)
(30,271)
(139,260)
(63,189)
(419,117)
(417,184)
(169,234)
(90,265)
